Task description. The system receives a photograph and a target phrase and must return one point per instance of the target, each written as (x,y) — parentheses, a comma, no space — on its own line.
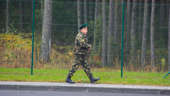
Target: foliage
(16,50)
(11,41)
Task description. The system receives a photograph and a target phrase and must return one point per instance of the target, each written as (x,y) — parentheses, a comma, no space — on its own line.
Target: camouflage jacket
(81,44)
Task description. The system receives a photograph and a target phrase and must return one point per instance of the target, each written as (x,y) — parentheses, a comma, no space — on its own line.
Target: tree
(21,14)
(169,42)
(128,14)
(7,15)
(42,7)
(145,26)
(46,31)
(115,29)
(139,22)
(95,24)
(115,20)
(152,34)
(133,30)
(162,13)
(109,39)
(104,34)
(85,11)
(128,26)
(78,14)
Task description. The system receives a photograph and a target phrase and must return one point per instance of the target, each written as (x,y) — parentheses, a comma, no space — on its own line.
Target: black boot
(68,80)
(93,80)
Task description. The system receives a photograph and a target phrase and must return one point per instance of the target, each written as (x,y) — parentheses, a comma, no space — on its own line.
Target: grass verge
(106,76)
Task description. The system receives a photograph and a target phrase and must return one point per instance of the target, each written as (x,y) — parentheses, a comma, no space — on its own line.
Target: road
(66,93)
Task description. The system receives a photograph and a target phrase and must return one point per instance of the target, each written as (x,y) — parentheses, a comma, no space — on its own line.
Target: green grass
(107,76)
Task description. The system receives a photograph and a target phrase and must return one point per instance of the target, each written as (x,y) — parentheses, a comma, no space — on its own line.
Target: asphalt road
(64,93)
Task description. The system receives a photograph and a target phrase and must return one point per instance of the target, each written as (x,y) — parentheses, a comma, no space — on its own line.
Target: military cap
(83,26)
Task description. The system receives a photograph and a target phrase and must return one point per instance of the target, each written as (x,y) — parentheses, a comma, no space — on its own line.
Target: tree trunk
(104,35)
(162,12)
(46,31)
(7,15)
(109,44)
(169,42)
(133,30)
(115,20)
(128,26)
(152,34)
(145,26)
(95,24)
(115,29)
(128,15)
(85,11)
(42,9)
(21,15)
(139,27)
(78,14)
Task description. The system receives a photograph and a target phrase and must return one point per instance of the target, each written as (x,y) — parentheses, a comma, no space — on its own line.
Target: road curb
(48,86)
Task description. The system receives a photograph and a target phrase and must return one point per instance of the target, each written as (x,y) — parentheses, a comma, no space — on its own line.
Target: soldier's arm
(83,43)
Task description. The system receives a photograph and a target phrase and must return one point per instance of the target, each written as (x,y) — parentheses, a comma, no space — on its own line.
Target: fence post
(33,31)
(122,41)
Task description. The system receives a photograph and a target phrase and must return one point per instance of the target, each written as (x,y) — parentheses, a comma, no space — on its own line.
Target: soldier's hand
(89,49)
(89,46)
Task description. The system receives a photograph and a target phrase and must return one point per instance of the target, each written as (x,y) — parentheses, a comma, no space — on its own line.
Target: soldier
(81,51)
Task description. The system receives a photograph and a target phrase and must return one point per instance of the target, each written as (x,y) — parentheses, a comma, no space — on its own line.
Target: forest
(146,32)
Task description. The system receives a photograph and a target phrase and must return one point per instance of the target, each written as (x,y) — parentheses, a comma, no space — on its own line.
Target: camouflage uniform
(81,52)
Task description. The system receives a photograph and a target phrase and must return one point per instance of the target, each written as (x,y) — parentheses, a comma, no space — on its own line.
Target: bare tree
(104,35)
(145,26)
(152,33)
(46,31)
(7,15)
(133,30)
(109,39)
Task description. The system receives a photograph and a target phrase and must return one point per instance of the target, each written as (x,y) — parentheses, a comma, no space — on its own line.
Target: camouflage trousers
(80,60)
